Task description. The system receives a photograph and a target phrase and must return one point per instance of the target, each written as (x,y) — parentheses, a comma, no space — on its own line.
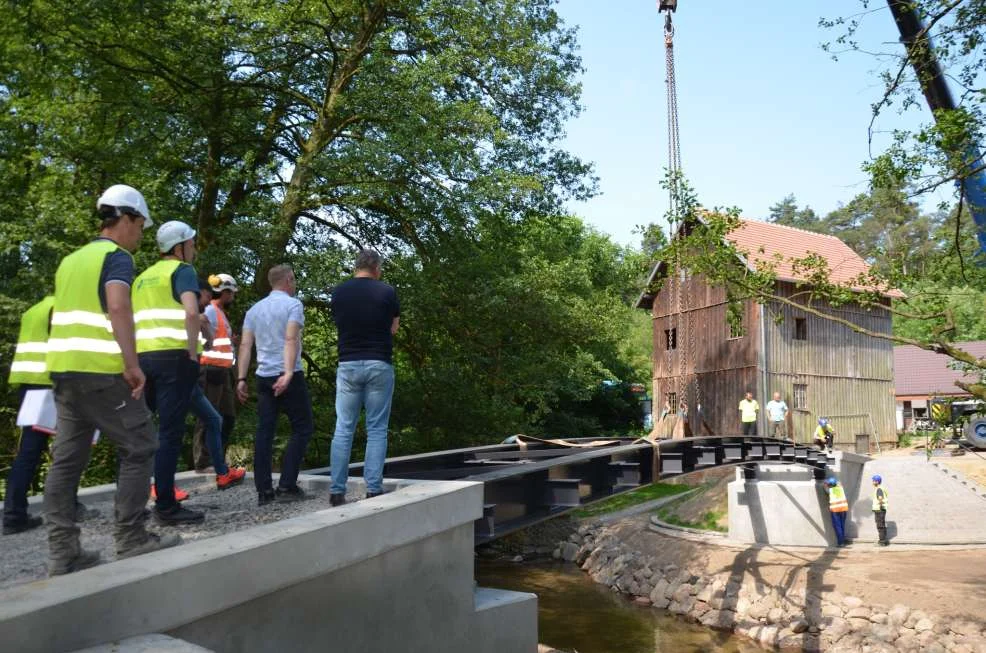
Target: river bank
(856,599)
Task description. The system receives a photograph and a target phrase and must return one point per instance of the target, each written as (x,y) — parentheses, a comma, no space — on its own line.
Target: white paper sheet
(38,410)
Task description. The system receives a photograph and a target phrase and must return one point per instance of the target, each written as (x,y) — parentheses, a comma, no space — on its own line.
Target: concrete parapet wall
(394,573)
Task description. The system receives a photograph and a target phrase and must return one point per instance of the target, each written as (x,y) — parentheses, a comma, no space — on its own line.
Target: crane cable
(674,211)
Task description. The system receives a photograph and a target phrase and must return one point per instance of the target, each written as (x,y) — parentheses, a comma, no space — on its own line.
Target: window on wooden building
(800,396)
(800,328)
(673,401)
(737,329)
(670,339)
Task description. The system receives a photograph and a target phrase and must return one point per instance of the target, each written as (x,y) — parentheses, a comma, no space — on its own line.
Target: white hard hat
(172,233)
(222,281)
(120,196)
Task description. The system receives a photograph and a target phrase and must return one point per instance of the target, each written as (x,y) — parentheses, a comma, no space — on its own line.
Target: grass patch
(632,498)
(709,521)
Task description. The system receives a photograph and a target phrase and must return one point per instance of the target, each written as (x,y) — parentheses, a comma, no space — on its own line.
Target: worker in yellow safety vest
(216,375)
(881,500)
(98,384)
(29,371)
(838,509)
(824,435)
(166,315)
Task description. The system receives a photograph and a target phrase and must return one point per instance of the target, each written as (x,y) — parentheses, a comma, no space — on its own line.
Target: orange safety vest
(837,499)
(221,354)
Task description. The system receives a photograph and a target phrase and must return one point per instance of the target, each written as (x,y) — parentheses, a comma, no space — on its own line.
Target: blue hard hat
(832,481)
(822,421)
(878,478)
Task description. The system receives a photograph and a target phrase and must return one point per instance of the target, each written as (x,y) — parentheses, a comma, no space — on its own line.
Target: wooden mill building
(820,367)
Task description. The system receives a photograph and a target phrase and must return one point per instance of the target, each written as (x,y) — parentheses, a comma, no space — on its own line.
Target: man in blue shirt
(275,324)
(367,314)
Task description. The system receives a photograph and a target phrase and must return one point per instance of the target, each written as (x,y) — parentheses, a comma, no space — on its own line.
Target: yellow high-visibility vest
(159,319)
(29,366)
(81,338)
(837,499)
(876,500)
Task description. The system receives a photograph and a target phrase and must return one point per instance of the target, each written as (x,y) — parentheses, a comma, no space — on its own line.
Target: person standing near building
(838,509)
(880,503)
(748,409)
(166,316)
(216,374)
(367,314)
(777,414)
(98,384)
(275,324)
(29,371)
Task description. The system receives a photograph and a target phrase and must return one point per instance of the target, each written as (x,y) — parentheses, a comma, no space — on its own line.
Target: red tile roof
(918,372)
(790,243)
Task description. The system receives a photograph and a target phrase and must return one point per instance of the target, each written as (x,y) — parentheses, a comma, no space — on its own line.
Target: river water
(576,614)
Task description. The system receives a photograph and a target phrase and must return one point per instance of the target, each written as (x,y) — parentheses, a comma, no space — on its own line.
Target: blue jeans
(360,384)
(296,403)
(170,376)
(202,408)
(32,447)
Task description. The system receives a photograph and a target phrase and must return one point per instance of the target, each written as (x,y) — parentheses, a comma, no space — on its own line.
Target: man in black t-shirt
(367,314)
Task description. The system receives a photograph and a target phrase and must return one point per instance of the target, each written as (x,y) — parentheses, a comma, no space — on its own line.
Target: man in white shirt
(777,414)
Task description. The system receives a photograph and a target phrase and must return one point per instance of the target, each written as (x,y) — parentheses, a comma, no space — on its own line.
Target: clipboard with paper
(38,412)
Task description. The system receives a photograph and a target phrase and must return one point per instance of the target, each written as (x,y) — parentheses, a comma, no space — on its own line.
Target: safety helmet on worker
(222,281)
(877,478)
(822,421)
(173,233)
(126,199)
(831,481)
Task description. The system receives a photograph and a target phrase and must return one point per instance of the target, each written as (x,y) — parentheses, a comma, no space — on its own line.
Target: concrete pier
(784,505)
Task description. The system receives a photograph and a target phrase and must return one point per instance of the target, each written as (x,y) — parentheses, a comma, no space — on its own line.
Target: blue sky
(764,111)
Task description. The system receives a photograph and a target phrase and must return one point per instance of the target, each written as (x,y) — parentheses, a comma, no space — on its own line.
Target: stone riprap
(778,619)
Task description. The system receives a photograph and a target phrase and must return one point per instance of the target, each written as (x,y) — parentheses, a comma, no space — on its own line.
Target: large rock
(659,589)
(705,594)
(682,592)
(883,633)
(914,618)
(859,625)
(829,610)
(569,551)
(880,618)
(907,644)
(859,612)
(660,601)
(799,625)
(834,631)
(924,625)
(899,614)
(699,608)
(682,607)
(768,636)
(776,615)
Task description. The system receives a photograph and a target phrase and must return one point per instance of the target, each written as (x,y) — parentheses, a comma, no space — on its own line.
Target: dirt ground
(941,581)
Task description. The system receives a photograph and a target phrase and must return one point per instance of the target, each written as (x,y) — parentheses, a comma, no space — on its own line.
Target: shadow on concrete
(818,529)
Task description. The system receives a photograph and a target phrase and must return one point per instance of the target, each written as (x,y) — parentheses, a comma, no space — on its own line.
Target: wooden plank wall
(725,367)
(845,373)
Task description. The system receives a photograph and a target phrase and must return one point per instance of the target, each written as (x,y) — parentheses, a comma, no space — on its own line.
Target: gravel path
(24,556)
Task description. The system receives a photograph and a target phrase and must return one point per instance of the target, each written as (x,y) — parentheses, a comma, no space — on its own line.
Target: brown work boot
(84,560)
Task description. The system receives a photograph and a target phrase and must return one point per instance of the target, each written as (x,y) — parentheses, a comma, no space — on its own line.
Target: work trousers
(170,376)
(296,403)
(839,526)
(749,428)
(881,525)
(84,404)
(217,384)
(778,430)
(32,446)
